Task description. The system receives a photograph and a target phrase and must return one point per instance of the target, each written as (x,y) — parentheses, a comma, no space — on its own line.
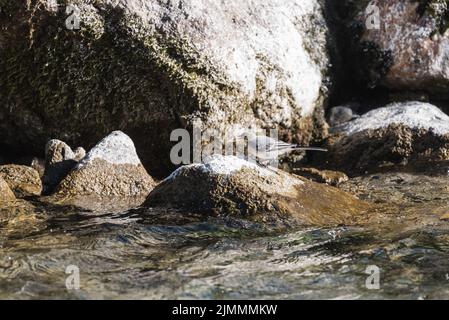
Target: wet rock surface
(412,199)
(228,186)
(24,181)
(396,134)
(111,169)
(400,187)
(130,67)
(333,178)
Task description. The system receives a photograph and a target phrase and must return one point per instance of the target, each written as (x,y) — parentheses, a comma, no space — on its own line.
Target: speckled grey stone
(111,168)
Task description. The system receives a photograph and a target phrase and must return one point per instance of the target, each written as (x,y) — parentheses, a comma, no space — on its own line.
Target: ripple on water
(152,254)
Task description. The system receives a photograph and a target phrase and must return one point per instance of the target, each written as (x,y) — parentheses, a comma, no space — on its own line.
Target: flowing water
(149,254)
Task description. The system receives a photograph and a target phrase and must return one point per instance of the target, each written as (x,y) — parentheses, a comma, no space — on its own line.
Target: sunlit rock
(229,186)
(24,181)
(5,192)
(397,134)
(111,169)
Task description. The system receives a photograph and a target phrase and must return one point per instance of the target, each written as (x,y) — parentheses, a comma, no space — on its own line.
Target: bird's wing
(276,145)
(281,144)
(271,145)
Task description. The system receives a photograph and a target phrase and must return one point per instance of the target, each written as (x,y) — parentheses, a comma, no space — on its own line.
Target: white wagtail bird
(266,150)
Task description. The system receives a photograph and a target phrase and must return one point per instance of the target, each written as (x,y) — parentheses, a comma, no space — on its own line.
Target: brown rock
(105,179)
(333,178)
(111,169)
(5,192)
(228,186)
(24,181)
(408,50)
(398,134)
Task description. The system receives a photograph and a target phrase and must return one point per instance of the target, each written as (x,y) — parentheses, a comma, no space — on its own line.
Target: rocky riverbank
(101,161)
(110,178)
(148,70)
(222,186)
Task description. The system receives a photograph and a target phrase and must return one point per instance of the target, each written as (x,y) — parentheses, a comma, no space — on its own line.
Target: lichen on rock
(439,10)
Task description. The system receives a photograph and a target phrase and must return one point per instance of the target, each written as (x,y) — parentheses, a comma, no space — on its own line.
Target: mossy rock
(148,68)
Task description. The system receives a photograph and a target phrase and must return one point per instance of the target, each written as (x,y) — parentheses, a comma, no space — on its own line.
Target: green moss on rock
(117,72)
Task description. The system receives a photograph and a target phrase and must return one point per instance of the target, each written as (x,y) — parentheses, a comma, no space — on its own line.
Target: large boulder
(24,181)
(397,134)
(111,169)
(148,67)
(229,186)
(5,192)
(402,46)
